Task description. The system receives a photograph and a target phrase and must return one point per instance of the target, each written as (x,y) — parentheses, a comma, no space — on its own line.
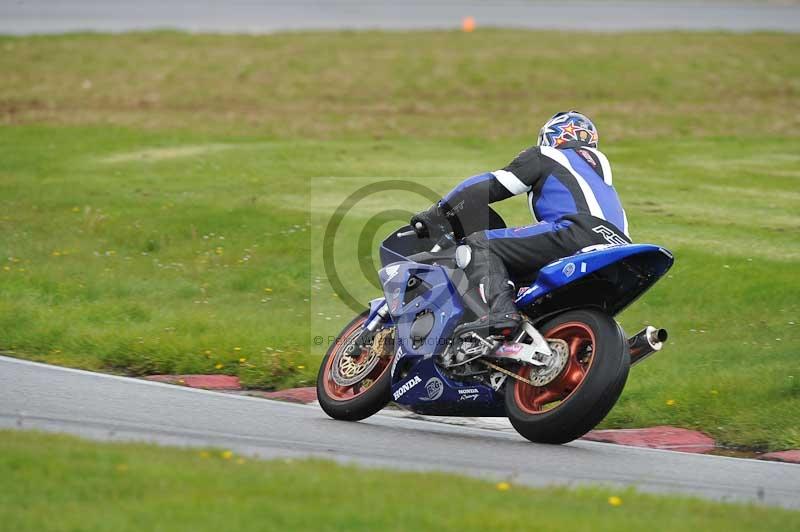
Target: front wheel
(584,391)
(354,386)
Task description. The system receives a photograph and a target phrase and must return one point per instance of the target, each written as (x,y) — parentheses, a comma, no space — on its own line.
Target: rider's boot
(488,273)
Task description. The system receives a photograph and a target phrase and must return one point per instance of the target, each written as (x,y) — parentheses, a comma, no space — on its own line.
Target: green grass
(163,196)
(56,483)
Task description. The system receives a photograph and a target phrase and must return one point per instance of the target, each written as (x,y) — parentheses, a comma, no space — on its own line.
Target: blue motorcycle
(555,380)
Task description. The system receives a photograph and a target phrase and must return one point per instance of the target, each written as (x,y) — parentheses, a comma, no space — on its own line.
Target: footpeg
(471,346)
(525,353)
(547,358)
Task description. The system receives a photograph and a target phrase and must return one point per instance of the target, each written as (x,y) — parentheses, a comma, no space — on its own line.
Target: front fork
(364,339)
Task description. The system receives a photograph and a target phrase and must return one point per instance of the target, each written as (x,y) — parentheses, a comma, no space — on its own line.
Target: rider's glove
(434,222)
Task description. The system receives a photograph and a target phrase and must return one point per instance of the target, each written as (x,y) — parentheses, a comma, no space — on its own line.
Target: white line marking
(133,380)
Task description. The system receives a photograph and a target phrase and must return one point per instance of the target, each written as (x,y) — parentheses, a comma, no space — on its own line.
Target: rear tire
(353,403)
(587,388)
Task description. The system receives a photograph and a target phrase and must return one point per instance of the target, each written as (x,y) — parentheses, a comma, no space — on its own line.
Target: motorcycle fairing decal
(406,386)
(438,388)
(397,356)
(434,388)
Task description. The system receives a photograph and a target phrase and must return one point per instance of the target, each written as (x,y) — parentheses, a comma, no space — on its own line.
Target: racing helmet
(568,126)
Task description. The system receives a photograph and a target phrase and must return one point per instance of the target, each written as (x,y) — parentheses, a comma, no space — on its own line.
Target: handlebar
(446,240)
(417,230)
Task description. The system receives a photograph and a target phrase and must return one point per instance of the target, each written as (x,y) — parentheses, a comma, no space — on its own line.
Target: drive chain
(506,372)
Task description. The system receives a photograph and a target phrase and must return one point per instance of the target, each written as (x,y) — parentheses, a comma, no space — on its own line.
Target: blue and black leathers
(570,195)
(569,180)
(573,202)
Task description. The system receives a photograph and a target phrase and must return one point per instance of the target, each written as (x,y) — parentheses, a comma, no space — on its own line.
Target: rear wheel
(584,391)
(354,386)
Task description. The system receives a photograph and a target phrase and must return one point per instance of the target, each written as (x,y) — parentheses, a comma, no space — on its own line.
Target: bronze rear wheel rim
(580,339)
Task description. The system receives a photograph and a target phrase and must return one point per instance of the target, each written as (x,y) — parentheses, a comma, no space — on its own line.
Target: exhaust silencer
(645,343)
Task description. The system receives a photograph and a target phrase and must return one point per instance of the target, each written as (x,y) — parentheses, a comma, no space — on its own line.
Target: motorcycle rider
(570,194)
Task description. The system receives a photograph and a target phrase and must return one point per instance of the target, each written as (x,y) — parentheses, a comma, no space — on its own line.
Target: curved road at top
(235,16)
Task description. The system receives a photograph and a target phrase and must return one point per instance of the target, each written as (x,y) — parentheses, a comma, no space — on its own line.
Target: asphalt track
(105,407)
(263,16)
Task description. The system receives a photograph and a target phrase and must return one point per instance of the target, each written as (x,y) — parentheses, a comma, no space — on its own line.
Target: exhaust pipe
(645,343)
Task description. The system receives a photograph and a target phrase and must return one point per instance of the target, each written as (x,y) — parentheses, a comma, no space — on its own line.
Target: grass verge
(58,483)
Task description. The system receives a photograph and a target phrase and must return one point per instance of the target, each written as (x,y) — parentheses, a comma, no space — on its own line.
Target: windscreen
(397,248)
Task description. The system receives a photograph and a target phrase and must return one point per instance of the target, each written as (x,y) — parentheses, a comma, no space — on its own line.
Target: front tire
(370,390)
(585,390)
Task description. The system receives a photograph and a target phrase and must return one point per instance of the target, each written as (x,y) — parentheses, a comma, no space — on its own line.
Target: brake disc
(544,375)
(347,370)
